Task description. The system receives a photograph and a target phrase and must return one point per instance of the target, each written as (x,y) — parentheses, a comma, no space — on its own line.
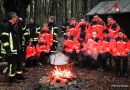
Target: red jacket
(40,47)
(92,45)
(48,36)
(113,29)
(87,30)
(30,51)
(76,44)
(105,45)
(99,26)
(72,28)
(120,46)
(69,45)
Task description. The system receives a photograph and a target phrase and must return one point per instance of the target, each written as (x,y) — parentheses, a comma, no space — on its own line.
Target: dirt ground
(90,80)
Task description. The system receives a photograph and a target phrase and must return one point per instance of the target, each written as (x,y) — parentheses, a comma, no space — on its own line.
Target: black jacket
(10,39)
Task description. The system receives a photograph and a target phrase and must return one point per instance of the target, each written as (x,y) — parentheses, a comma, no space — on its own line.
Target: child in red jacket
(120,53)
(31,59)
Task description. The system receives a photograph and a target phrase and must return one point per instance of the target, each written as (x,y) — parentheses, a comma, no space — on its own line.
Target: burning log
(61,74)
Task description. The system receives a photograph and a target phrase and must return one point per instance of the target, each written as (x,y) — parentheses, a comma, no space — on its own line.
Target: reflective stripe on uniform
(27,33)
(55,27)
(2,49)
(11,45)
(6,44)
(54,51)
(4,33)
(35,39)
(64,33)
(10,71)
(24,28)
(3,52)
(19,72)
(55,41)
(11,41)
(37,30)
(52,31)
(55,33)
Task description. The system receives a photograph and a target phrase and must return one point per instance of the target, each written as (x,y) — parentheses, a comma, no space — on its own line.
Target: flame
(61,73)
(58,73)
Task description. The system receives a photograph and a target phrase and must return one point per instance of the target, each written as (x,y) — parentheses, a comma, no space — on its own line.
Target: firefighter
(11,48)
(33,30)
(21,29)
(112,26)
(64,26)
(84,28)
(54,30)
(98,24)
(2,22)
(31,59)
(90,50)
(120,53)
(105,51)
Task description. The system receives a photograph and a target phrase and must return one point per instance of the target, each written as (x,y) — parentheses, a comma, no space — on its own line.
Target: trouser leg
(117,63)
(12,64)
(104,58)
(19,64)
(124,64)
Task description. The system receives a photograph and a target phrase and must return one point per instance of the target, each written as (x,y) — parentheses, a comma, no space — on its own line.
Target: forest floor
(90,80)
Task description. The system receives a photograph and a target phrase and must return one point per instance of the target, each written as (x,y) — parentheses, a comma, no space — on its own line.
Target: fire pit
(61,75)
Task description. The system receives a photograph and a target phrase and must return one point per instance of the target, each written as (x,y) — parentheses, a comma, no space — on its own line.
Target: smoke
(59,59)
(91,49)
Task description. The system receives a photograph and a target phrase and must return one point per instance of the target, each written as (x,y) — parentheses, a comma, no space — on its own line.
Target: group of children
(92,45)
(42,48)
(96,45)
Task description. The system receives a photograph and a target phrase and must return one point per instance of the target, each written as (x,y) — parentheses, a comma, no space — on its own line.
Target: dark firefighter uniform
(26,36)
(54,30)
(64,27)
(11,48)
(32,30)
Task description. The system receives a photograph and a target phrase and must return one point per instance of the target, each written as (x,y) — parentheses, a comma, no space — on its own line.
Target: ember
(61,72)
(61,75)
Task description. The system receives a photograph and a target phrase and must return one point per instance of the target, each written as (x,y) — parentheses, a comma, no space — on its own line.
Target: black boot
(125,75)
(119,74)
(13,80)
(20,77)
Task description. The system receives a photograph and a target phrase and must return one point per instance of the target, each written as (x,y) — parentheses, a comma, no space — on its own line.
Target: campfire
(60,75)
